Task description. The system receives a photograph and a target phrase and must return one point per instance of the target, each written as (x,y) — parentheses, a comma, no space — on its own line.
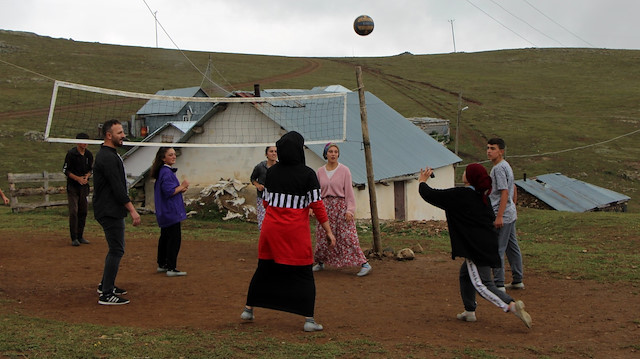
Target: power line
(555,22)
(531,26)
(503,25)
(185,55)
(568,149)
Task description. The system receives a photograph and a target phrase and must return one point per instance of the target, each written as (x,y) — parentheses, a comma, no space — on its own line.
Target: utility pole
(155,18)
(373,202)
(453,35)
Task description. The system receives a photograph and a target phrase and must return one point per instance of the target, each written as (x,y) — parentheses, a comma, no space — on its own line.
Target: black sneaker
(112,299)
(116,290)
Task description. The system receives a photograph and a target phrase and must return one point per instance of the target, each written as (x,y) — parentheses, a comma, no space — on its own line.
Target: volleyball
(363,25)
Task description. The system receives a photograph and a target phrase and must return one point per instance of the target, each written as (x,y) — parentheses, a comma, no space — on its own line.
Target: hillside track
(310,65)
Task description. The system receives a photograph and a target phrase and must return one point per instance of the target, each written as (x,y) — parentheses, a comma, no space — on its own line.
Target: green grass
(26,337)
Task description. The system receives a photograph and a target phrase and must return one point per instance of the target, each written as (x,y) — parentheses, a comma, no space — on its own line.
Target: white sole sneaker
(312,327)
(247,315)
(518,310)
(467,316)
(175,273)
(364,271)
(514,285)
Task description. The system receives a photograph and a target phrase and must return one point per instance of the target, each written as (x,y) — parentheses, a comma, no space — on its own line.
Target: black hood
(291,149)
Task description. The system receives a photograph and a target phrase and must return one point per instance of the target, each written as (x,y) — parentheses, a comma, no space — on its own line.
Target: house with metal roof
(170,132)
(563,193)
(155,113)
(399,149)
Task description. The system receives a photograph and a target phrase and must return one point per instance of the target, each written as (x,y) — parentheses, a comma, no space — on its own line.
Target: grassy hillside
(538,100)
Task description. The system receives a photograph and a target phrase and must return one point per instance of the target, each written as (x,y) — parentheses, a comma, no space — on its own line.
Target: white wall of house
(140,160)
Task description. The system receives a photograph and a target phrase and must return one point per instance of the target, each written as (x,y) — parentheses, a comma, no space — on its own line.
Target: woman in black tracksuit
(474,238)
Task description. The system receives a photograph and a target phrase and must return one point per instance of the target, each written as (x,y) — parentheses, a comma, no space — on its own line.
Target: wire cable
(503,25)
(183,53)
(555,22)
(565,150)
(528,24)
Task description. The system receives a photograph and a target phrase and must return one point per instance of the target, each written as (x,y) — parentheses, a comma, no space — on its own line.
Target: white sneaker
(366,268)
(247,315)
(502,289)
(312,327)
(175,273)
(518,309)
(318,267)
(514,285)
(467,316)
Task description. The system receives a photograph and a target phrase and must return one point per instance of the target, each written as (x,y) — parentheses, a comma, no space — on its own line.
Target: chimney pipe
(256,90)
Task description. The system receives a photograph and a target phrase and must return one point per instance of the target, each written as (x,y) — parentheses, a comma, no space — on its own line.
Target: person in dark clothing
(78,164)
(474,238)
(170,211)
(111,203)
(284,279)
(258,176)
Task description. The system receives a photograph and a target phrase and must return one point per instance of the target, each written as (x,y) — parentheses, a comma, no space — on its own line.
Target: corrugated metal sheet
(398,147)
(568,194)
(159,107)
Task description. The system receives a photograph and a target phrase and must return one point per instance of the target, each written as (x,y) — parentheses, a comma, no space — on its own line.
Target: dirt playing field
(399,304)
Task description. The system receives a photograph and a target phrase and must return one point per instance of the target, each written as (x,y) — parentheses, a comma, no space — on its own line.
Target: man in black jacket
(110,205)
(77,167)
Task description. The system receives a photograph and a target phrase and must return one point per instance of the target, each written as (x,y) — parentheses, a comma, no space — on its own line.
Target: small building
(437,128)
(562,193)
(155,113)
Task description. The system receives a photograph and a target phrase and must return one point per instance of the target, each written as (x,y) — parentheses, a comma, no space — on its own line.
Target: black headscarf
(290,175)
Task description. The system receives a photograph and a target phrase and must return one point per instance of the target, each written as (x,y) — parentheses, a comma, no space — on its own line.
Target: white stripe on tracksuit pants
(481,279)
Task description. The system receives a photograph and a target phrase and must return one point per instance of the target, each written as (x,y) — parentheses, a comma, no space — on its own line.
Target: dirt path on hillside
(401,303)
(311,65)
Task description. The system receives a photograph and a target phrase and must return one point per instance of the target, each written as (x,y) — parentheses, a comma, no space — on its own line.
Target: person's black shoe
(116,290)
(112,299)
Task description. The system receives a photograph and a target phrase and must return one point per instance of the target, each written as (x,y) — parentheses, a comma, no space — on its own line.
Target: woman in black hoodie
(474,238)
(284,279)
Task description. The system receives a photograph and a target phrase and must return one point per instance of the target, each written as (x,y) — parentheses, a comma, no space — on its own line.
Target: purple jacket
(169,207)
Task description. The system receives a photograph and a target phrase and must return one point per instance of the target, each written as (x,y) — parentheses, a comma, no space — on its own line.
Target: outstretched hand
(425,174)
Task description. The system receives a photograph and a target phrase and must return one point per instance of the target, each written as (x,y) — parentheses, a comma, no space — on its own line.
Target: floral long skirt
(260,211)
(347,252)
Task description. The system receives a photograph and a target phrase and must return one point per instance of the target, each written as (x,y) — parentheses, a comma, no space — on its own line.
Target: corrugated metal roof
(398,147)
(160,107)
(569,194)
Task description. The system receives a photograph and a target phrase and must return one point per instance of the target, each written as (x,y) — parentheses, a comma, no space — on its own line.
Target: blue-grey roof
(398,147)
(569,194)
(160,107)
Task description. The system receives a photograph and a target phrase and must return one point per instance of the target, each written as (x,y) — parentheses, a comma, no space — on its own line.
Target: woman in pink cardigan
(337,195)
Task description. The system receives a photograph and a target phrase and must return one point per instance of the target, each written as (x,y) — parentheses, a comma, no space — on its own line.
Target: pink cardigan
(340,185)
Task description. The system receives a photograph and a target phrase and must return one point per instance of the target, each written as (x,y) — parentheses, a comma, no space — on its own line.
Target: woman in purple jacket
(169,210)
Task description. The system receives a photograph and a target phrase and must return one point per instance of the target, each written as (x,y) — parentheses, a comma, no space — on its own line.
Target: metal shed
(563,193)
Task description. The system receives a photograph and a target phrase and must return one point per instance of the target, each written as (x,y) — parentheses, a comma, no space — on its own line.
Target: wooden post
(373,203)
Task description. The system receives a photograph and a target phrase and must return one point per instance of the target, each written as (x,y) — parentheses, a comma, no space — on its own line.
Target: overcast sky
(324,28)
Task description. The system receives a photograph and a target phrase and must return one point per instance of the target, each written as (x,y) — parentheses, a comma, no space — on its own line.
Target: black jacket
(470,222)
(77,164)
(110,193)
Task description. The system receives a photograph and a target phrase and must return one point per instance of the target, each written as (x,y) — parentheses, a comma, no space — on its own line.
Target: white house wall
(416,207)
(142,158)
